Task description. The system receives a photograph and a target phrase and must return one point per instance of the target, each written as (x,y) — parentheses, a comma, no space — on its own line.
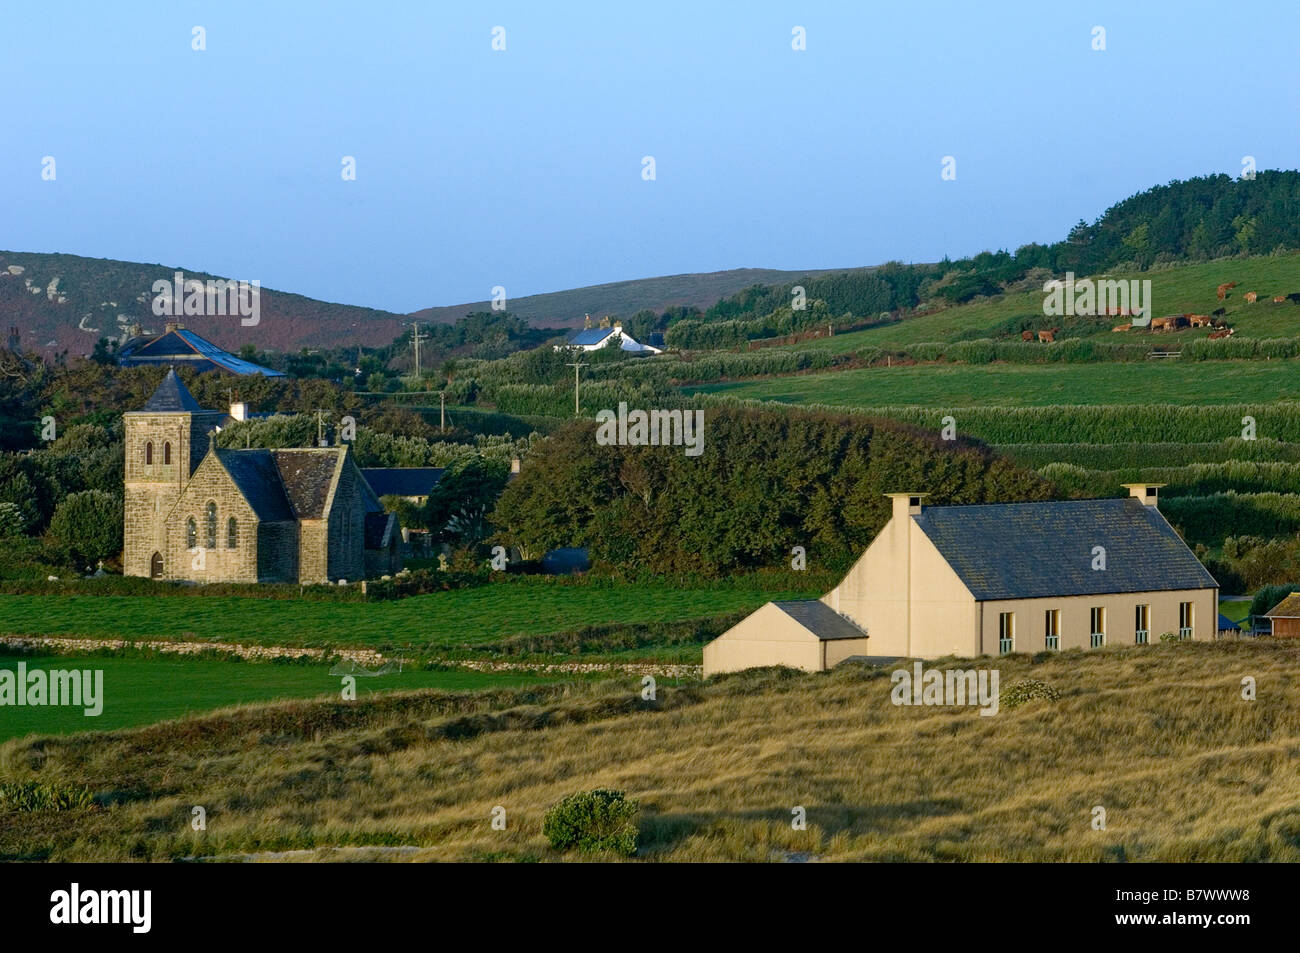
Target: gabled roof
(172,396)
(821,620)
(1226,624)
(402,481)
(1033,550)
(588,336)
(255,474)
(181,345)
(1288,608)
(308,476)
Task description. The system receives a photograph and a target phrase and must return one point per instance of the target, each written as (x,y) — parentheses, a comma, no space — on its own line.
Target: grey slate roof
(172,396)
(306,475)
(1032,550)
(402,481)
(821,620)
(258,479)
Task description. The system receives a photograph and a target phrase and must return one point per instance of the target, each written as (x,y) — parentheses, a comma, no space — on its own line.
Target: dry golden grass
(1159,736)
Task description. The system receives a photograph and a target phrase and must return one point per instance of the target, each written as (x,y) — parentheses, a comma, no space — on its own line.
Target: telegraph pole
(575,365)
(417,350)
(320,427)
(442,411)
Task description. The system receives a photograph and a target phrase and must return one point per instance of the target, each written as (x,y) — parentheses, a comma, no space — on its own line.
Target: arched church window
(191,533)
(210,537)
(156,566)
(148,454)
(232,533)
(167,454)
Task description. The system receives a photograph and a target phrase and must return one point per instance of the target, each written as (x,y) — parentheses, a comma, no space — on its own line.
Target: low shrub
(599,820)
(1026,690)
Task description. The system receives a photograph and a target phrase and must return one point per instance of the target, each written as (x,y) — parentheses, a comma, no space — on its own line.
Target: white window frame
(1097,623)
(1186,613)
(1142,633)
(1052,630)
(1006,633)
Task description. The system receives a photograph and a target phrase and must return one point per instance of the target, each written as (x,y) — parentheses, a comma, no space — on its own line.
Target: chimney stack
(239,410)
(1144,492)
(906,504)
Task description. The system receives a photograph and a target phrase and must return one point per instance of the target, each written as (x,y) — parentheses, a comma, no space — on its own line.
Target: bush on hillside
(599,820)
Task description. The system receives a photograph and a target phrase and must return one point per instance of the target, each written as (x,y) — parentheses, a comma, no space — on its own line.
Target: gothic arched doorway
(156,566)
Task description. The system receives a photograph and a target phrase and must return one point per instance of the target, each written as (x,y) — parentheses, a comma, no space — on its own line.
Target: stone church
(199,513)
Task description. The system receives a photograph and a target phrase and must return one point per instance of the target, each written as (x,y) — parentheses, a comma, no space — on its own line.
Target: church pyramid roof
(172,396)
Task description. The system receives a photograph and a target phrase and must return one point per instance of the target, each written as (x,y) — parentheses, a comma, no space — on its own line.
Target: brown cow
(1251,297)
(1279,299)
(1168,323)
(1222,333)
(1199,320)
(1223,289)
(1047,337)
(1026,335)
(1122,327)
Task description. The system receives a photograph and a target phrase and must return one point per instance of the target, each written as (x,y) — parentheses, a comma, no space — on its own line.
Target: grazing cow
(1122,327)
(1219,312)
(1168,323)
(1223,289)
(1026,335)
(1278,299)
(1251,297)
(1199,320)
(1047,337)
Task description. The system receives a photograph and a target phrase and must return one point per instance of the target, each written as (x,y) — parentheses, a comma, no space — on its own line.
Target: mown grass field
(140,691)
(1182,290)
(1158,736)
(965,385)
(438,621)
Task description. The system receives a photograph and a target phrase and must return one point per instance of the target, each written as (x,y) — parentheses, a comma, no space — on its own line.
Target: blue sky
(522,167)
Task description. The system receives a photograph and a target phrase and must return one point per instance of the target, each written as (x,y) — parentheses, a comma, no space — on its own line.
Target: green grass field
(1186,289)
(966,385)
(438,621)
(140,691)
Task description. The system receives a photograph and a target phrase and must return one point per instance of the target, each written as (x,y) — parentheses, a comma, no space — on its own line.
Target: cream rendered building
(997,578)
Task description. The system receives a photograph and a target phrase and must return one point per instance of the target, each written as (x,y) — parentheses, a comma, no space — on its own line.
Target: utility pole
(417,350)
(575,365)
(320,427)
(442,411)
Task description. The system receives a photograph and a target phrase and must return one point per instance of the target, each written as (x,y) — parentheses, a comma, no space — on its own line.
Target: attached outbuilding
(808,635)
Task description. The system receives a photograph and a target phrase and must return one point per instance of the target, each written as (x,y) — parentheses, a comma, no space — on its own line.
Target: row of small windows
(166,453)
(210,530)
(1097,627)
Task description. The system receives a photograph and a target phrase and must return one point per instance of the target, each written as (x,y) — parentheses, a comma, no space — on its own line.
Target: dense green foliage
(599,820)
(766,481)
(87,526)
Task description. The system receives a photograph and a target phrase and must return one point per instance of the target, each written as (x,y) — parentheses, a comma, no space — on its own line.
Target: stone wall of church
(153,486)
(347,528)
(216,560)
(277,552)
(313,551)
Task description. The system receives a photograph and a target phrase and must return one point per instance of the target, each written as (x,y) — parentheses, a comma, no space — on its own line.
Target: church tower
(165,441)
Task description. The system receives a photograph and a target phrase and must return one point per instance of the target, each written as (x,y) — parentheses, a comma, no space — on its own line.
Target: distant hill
(565,309)
(60,302)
